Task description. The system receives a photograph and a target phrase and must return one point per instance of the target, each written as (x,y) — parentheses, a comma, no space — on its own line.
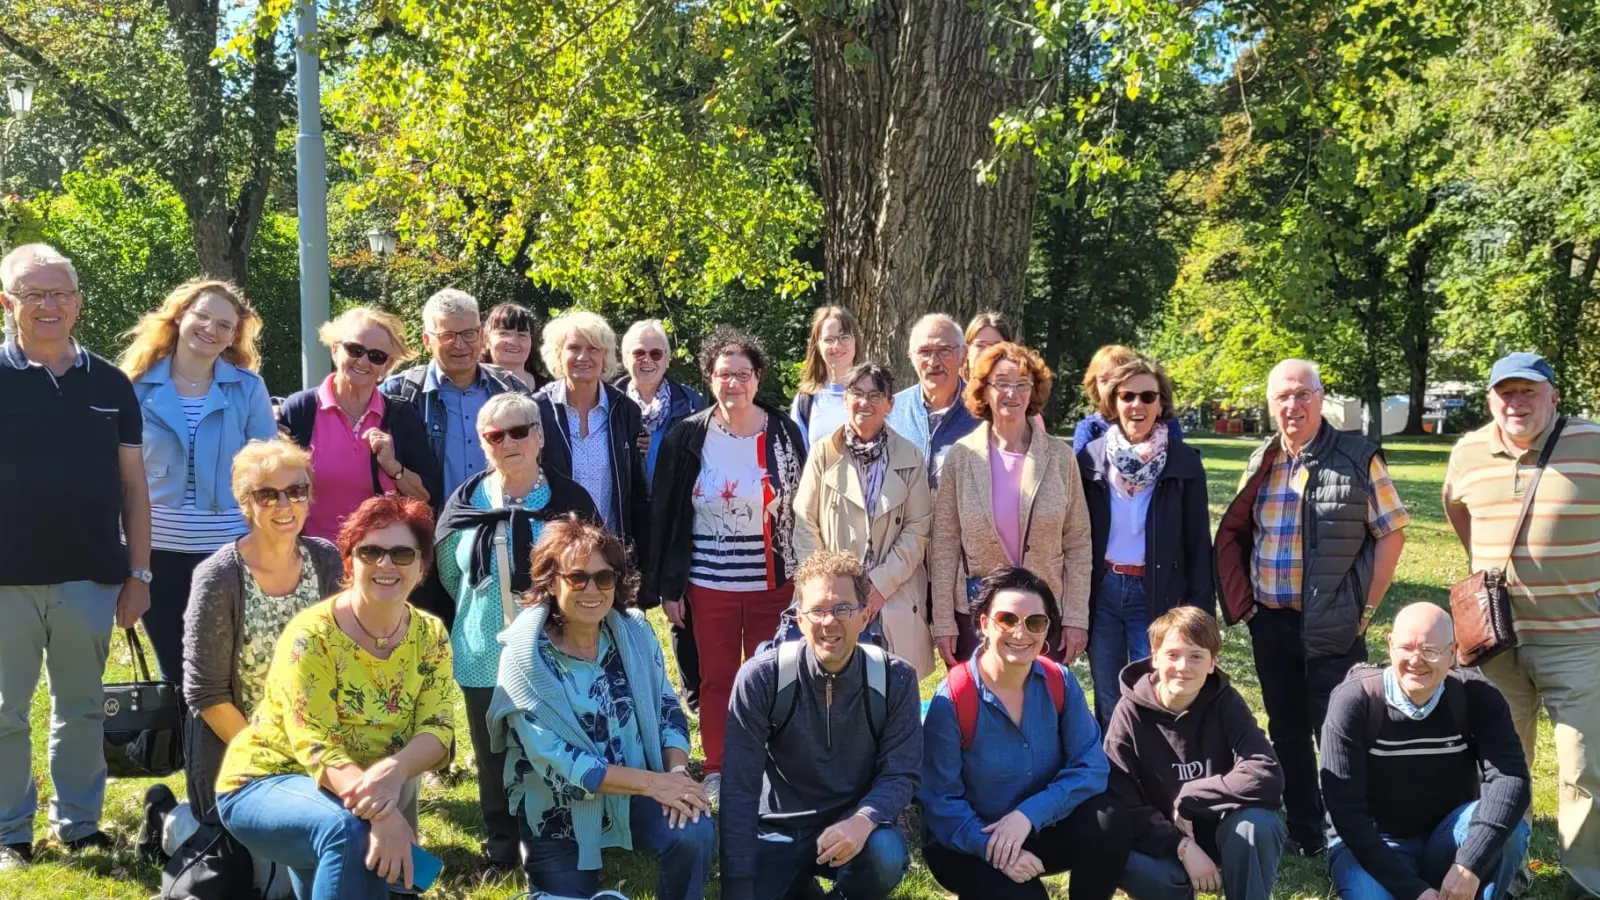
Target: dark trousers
(1092,843)
(787,863)
(501,842)
(688,654)
(169,597)
(1295,691)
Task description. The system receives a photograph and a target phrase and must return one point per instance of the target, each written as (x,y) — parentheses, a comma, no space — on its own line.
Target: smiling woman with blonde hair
(192,363)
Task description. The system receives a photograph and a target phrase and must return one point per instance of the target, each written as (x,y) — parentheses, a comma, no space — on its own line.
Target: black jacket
(297,417)
(1177,548)
(666,571)
(630,493)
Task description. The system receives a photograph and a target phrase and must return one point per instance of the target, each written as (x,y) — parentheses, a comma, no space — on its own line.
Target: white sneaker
(713,789)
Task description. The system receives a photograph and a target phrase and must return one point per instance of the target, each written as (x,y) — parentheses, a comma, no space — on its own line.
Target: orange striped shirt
(1554,575)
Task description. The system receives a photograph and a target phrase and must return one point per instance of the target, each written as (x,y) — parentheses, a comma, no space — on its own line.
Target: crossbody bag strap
(1533,487)
(502,563)
(136,650)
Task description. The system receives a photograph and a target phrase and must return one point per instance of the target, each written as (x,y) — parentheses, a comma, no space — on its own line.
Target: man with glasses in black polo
(824,751)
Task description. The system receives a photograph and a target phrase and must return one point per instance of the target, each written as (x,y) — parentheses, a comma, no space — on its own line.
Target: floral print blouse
(330,703)
(603,703)
(264,619)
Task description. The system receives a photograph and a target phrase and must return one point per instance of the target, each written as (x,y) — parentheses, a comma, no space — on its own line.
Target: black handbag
(144,723)
(210,865)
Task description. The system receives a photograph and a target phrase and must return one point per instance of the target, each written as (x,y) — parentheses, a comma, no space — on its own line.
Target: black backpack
(210,865)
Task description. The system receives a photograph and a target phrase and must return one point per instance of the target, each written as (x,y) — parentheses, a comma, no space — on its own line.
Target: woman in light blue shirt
(193,365)
(1014,778)
(597,745)
(819,407)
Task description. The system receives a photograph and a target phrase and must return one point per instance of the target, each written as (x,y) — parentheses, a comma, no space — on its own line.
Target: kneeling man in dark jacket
(1422,774)
(1186,752)
(824,751)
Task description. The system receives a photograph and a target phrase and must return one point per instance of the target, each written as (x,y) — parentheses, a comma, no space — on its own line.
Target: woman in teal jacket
(192,362)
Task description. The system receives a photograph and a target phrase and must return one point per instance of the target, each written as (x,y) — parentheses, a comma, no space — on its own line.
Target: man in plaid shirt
(1305,553)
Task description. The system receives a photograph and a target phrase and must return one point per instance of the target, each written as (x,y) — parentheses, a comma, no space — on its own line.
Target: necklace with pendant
(382,643)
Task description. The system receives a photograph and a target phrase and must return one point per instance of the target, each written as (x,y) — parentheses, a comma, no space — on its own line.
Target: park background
(1402,190)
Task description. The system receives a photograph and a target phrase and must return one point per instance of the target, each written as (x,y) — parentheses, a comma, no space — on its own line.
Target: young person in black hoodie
(1423,774)
(1186,751)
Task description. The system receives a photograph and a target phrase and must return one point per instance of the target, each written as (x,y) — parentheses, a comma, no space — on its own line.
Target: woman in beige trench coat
(865,491)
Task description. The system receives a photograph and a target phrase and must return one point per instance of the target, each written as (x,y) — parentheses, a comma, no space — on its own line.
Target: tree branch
(77,95)
(269,105)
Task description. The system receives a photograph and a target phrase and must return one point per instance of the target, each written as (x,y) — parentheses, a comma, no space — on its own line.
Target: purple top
(1005,473)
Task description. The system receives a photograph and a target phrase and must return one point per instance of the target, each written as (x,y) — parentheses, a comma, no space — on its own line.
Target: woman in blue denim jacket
(1014,778)
(192,362)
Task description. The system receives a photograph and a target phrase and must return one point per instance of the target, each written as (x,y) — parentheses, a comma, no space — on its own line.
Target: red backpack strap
(964,696)
(1055,678)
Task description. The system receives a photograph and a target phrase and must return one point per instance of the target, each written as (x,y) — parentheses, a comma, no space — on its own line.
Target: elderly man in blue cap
(1552,569)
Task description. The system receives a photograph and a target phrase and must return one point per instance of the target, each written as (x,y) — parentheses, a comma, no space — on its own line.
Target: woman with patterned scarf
(1151,527)
(723,501)
(865,491)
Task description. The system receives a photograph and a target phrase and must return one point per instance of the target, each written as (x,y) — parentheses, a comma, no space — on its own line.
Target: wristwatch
(143,575)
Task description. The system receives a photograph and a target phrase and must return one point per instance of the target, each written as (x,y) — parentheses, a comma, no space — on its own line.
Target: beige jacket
(830,511)
(1057,544)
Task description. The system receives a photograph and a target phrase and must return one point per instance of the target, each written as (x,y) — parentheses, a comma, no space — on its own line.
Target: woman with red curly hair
(1009,495)
(358,706)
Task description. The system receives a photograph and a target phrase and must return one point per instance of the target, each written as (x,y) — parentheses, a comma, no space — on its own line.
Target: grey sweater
(213,638)
(822,768)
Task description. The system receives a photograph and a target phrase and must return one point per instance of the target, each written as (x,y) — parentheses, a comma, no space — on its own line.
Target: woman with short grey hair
(484,540)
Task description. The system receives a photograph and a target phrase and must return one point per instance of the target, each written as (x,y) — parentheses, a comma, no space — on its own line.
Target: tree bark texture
(906,92)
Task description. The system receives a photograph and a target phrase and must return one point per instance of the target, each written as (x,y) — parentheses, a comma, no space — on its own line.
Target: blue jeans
(1248,847)
(788,867)
(684,856)
(1430,858)
(288,820)
(1118,634)
(66,628)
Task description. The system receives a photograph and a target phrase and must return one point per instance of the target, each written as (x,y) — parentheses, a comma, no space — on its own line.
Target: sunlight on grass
(451,826)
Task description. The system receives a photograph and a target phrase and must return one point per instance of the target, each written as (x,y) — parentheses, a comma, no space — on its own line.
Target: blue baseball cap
(1521,365)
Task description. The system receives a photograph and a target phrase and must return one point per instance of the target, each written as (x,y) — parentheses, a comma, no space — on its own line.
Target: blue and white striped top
(187,528)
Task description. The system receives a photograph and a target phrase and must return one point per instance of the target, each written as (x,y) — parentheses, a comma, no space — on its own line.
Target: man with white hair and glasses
(930,413)
(74,486)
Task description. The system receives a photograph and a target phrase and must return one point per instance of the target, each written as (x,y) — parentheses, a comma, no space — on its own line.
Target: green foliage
(129,239)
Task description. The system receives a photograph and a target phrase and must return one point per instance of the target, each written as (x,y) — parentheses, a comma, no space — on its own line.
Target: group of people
(323,575)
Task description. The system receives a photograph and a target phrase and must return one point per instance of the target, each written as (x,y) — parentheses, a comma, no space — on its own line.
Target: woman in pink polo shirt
(361,445)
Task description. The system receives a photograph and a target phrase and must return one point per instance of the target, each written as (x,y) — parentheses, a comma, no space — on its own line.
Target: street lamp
(19,90)
(382,241)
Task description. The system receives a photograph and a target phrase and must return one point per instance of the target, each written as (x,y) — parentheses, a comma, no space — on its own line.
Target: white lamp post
(382,241)
(19,90)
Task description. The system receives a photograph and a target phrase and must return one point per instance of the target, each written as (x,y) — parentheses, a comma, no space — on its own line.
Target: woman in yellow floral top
(358,704)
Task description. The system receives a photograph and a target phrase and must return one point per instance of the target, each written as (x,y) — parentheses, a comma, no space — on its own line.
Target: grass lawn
(450,820)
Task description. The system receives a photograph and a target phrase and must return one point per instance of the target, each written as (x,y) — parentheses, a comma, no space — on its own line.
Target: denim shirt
(1045,767)
(238,410)
(463,454)
(432,406)
(909,419)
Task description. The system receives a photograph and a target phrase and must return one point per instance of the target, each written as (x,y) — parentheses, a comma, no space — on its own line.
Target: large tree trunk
(905,96)
(1417,338)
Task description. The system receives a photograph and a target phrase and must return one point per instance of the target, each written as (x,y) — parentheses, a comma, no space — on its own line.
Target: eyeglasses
(372,554)
(937,351)
(837,339)
(742,376)
(1038,623)
(465,336)
(1430,655)
(221,326)
(654,354)
(294,493)
(604,580)
(497,436)
(1303,396)
(873,397)
(356,351)
(843,612)
(37,298)
(1148,398)
(1012,387)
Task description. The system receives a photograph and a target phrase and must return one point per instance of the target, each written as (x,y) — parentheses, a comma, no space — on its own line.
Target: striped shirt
(1277,561)
(1554,577)
(729,550)
(187,528)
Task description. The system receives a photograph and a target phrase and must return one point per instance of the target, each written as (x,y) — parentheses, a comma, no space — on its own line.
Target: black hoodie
(1206,761)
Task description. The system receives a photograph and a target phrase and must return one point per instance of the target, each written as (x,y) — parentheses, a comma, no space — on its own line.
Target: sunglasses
(604,580)
(294,493)
(497,436)
(654,354)
(1148,398)
(356,351)
(372,554)
(1038,623)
